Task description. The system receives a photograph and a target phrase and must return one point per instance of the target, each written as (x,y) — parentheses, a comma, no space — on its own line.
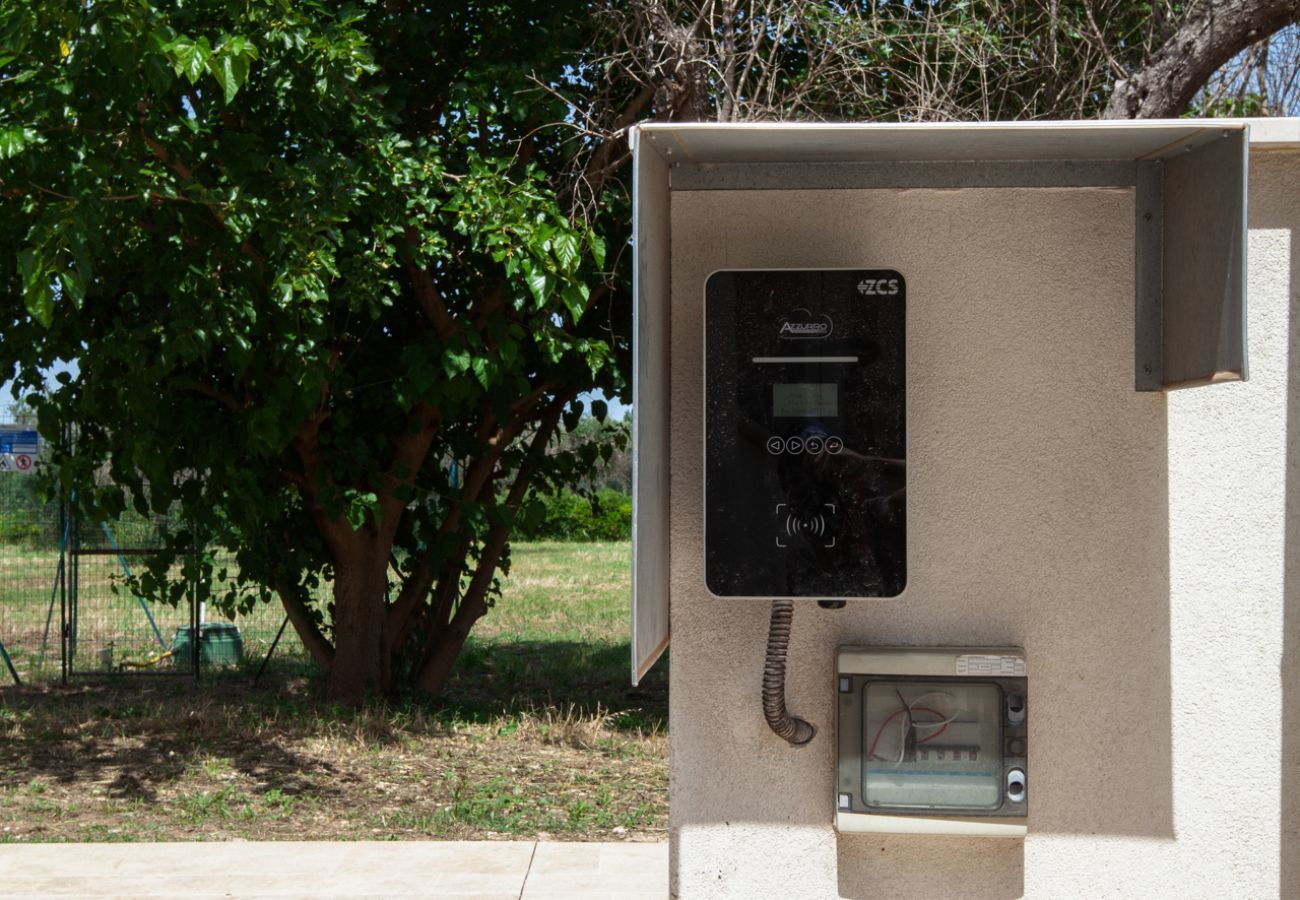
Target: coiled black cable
(786,726)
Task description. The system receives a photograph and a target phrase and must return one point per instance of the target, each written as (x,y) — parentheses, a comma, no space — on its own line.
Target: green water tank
(219,644)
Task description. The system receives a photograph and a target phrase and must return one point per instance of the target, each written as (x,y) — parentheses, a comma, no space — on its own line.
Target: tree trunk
(1212,34)
(446,642)
(361,663)
(295,607)
(439,659)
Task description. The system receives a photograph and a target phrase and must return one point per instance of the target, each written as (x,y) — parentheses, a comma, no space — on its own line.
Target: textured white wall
(1133,544)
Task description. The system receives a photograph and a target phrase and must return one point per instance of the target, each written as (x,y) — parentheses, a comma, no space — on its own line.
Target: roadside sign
(19,446)
(20,463)
(19,439)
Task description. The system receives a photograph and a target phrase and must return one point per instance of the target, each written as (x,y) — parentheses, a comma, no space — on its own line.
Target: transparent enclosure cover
(930,745)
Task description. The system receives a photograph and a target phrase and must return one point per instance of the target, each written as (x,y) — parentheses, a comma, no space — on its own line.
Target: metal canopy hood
(1189,179)
(750,142)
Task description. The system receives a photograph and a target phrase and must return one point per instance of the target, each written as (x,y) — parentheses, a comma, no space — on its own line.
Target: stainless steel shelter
(1189,179)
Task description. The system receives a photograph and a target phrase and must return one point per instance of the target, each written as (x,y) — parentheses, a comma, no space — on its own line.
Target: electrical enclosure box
(805,443)
(932,741)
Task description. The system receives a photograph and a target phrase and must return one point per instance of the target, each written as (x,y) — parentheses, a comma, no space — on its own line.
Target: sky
(7,398)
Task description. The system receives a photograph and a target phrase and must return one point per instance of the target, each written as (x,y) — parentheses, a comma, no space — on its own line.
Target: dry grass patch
(169,763)
(541,735)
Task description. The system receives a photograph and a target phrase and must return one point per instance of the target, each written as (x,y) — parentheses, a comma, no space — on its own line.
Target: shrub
(19,528)
(605,515)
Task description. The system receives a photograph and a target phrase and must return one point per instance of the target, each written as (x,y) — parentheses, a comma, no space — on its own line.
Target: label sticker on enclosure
(991,666)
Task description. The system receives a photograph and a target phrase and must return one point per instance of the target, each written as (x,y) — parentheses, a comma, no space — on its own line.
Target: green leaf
(223,70)
(230,65)
(540,285)
(76,279)
(597,248)
(566,251)
(455,362)
(572,416)
(575,299)
(359,506)
(14,139)
(37,296)
(73,286)
(190,58)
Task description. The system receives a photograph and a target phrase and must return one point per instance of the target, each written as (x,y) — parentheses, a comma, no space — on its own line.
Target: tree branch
(316,643)
(473,605)
(427,293)
(408,455)
(226,399)
(478,481)
(436,661)
(1212,34)
(187,173)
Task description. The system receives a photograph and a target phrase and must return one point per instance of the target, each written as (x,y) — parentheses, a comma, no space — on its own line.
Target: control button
(814,445)
(1016,785)
(834,444)
(775,445)
(794,445)
(1015,709)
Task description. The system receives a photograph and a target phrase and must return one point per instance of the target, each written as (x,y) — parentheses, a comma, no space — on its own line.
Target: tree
(313,259)
(307,257)
(728,60)
(1209,36)
(806,59)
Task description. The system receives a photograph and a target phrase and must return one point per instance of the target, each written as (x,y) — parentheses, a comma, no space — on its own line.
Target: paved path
(508,870)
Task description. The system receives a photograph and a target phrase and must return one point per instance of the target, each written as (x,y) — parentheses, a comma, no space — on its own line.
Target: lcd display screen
(805,401)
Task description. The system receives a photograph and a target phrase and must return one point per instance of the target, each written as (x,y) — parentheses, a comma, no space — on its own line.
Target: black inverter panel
(805,442)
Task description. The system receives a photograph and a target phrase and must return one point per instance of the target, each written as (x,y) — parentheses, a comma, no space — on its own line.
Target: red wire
(871,751)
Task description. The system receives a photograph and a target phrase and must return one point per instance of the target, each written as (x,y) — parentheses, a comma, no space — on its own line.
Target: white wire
(903,722)
(907,721)
(917,699)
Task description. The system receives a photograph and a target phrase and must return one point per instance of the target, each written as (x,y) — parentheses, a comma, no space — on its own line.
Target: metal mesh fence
(108,627)
(31,534)
(66,598)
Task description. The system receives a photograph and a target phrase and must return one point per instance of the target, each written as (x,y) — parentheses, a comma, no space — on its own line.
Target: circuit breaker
(932,740)
(805,443)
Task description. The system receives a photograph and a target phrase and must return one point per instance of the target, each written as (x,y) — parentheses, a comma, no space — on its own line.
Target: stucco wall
(1133,544)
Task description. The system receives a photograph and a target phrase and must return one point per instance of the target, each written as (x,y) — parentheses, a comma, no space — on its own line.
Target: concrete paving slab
(622,871)
(485,870)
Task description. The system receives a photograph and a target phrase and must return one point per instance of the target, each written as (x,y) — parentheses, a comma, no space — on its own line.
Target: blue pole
(108,532)
(10,663)
(54,593)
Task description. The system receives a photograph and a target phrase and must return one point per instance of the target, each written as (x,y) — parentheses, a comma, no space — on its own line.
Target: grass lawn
(539,734)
